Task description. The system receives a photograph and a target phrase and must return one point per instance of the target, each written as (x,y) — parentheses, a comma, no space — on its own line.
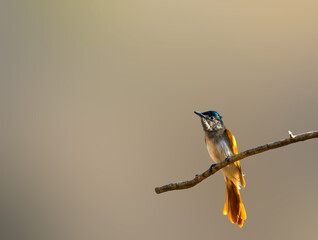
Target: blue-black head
(211,120)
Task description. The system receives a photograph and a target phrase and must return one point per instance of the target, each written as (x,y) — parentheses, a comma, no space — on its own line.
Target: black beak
(201,115)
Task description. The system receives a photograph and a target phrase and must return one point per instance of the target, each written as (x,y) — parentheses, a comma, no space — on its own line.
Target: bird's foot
(212,166)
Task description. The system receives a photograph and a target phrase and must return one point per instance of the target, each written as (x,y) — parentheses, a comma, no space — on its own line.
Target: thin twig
(216,167)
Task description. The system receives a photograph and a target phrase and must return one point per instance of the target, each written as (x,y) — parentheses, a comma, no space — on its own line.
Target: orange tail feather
(233,206)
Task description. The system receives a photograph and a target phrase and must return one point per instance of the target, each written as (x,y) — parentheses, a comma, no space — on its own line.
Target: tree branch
(216,167)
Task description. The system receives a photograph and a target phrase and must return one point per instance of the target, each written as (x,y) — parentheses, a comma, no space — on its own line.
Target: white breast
(218,152)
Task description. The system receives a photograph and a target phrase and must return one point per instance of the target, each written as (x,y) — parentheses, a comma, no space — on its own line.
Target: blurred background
(96,110)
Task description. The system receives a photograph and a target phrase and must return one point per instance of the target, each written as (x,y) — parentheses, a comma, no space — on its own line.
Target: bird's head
(211,120)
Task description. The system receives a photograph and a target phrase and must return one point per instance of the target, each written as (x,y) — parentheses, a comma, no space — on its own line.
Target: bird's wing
(234,149)
(232,141)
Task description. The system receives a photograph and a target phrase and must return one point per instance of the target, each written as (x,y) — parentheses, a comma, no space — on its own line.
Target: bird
(221,144)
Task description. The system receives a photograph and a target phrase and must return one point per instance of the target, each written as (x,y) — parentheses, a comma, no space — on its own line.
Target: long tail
(233,206)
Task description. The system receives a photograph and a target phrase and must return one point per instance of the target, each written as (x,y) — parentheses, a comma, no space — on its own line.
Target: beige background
(96,110)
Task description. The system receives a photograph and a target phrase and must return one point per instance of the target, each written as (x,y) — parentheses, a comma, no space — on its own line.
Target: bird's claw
(212,166)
